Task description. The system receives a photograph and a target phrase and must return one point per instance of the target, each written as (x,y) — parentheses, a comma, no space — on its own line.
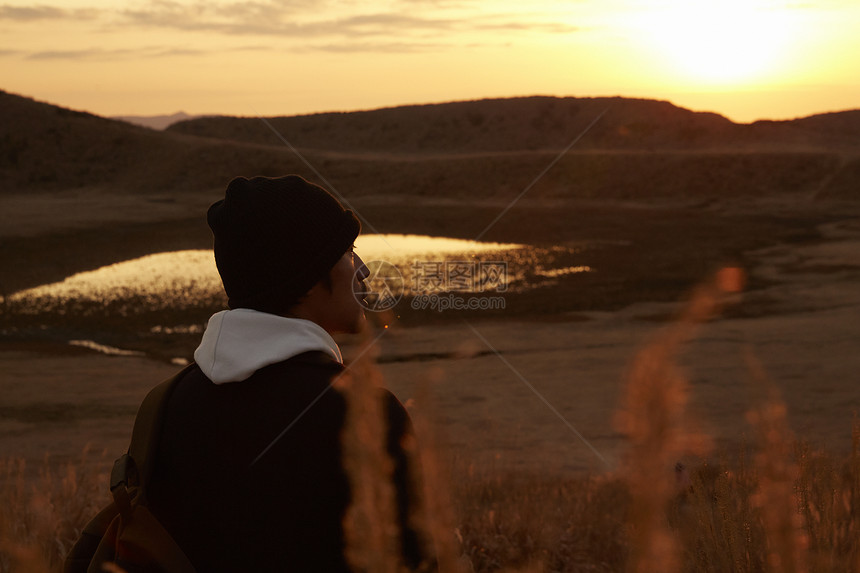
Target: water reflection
(563,271)
(152,275)
(188,279)
(411,247)
(104,349)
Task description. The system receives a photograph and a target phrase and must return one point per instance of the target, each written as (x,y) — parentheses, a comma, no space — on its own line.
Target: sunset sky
(746,59)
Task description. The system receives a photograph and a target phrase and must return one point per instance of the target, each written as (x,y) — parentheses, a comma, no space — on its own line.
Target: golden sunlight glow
(747,59)
(723,41)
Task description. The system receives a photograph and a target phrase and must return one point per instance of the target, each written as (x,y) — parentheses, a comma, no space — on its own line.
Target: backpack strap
(126,529)
(144,540)
(139,531)
(97,535)
(134,468)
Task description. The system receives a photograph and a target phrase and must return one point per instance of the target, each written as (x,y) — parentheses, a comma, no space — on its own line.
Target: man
(249,474)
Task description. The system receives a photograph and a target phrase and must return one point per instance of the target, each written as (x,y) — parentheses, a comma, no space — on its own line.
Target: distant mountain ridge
(530,123)
(487,149)
(155,121)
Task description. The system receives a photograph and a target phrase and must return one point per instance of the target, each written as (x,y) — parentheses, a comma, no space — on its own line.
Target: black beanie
(275,238)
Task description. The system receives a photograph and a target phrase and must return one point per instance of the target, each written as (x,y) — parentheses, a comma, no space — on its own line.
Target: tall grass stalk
(372,533)
(654,418)
(776,495)
(437,519)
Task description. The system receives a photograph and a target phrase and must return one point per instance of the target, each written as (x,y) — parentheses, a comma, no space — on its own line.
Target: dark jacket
(284,511)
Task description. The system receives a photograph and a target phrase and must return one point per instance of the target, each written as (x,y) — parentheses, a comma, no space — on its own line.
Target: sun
(721,41)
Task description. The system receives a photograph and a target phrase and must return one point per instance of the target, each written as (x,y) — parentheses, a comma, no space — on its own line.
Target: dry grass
(774,506)
(738,517)
(780,509)
(41,518)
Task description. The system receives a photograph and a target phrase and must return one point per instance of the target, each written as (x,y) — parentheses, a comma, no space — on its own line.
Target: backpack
(126,532)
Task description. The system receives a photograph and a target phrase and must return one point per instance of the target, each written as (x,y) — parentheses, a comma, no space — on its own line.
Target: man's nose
(361,269)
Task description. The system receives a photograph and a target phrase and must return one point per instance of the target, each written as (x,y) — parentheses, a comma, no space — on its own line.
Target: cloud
(548,27)
(117,54)
(89,54)
(377,47)
(324,25)
(178,52)
(391,22)
(267,10)
(29,13)
(245,22)
(44,12)
(74,54)
(291,19)
(440,4)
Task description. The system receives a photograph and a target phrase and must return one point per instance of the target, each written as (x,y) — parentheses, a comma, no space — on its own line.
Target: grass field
(672,504)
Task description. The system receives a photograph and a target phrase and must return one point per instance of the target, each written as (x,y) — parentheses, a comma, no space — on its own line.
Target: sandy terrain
(497,410)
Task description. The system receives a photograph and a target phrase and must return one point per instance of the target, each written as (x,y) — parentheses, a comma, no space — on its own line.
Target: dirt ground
(517,392)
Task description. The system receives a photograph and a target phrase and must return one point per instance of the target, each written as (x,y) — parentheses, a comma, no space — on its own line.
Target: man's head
(281,243)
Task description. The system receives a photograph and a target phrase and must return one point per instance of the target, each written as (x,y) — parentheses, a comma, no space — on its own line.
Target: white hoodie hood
(239,342)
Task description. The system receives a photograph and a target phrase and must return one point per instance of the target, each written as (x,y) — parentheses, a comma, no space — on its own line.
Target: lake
(173,293)
(179,277)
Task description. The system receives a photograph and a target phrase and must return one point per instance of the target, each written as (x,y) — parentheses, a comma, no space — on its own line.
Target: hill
(843,124)
(532,123)
(44,147)
(478,150)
